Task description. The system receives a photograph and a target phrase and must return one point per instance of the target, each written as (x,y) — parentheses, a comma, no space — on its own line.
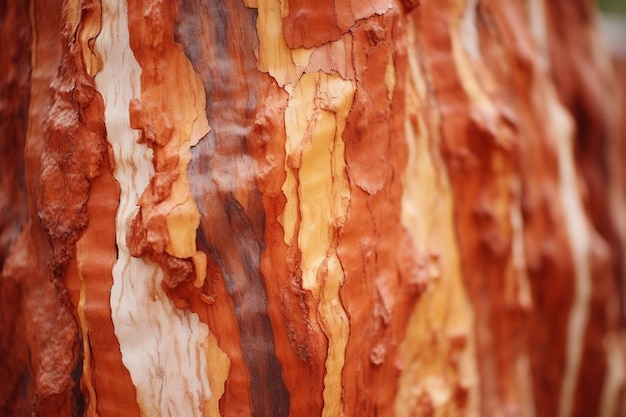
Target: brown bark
(292,208)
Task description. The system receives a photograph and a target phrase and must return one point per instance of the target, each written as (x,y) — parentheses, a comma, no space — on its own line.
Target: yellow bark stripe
(441,325)
(317,186)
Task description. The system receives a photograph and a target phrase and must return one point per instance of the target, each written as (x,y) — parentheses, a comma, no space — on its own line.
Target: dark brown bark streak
(220,44)
(301,345)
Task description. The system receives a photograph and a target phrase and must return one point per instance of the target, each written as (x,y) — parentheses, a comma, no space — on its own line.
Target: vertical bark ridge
(301,345)
(481,142)
(74,126)
(377,253)
(290,68)
(439,348)
(49,330)
(94,195)
(588,253)
(224,173)
(165,226)
(576,52)
(399,208)
(540,212)
(147,323)
(318,196)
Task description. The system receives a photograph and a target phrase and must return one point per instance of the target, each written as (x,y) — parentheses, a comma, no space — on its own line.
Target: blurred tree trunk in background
(311,208)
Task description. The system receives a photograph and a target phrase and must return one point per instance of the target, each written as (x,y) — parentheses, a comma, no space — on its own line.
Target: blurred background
(613,7)
(613,25)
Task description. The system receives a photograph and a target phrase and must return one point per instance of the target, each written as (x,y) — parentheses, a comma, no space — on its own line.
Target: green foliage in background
(613,6)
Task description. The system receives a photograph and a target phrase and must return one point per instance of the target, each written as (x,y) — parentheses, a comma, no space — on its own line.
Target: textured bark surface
(311,208)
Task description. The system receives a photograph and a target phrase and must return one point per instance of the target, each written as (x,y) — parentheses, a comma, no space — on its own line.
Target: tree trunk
(311,208)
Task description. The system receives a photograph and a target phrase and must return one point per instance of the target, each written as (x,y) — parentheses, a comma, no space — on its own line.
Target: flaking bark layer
(290,208)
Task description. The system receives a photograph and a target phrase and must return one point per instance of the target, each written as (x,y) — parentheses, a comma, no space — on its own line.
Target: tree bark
(299,208)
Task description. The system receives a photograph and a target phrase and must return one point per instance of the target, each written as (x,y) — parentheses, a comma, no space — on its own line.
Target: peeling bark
(290,208)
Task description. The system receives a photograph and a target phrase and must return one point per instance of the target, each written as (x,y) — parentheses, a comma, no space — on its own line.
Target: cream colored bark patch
(615,349)
(561,130)
(163,348)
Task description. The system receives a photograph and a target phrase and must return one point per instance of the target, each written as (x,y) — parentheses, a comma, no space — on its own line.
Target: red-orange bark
(342,207)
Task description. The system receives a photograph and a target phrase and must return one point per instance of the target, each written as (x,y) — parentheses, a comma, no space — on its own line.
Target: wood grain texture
(294,208)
